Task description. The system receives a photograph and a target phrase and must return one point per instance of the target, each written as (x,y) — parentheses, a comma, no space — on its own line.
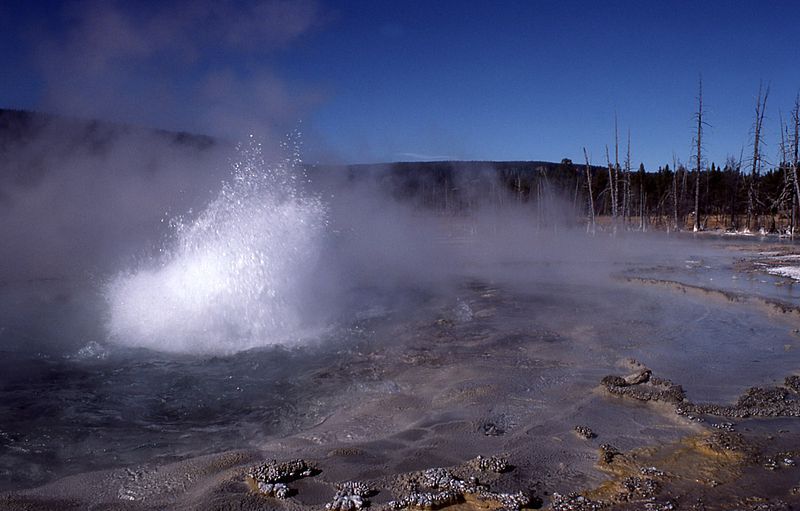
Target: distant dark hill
(64,135)
(83,194)
(20,126)
(31,141)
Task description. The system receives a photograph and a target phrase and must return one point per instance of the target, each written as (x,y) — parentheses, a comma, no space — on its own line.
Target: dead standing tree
(699,157)
(683,191)
(642,200)
(787,190)
(617,172)
(610,187)
(590,227)
(755,169)
(794,140)
(626,185)
(612,191)
(675,224)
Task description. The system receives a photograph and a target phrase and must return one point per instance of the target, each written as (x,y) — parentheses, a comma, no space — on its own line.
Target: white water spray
(234,277)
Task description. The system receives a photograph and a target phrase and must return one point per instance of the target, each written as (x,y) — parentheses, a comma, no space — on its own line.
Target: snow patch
(792,272)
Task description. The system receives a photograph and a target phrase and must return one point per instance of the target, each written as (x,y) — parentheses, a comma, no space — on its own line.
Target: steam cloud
(193,257)
(187,263)
(141,64)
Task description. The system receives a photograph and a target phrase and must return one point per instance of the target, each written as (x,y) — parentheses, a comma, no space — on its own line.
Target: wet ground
(503,363)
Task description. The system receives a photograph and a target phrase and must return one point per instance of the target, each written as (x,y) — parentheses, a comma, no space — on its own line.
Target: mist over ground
(194,244)
(78,197)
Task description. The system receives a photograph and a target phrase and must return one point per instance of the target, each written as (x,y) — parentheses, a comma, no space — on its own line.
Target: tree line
(742,194)
(616,195)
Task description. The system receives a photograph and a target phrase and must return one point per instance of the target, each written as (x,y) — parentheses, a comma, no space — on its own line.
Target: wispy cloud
(423,157)
(193,64)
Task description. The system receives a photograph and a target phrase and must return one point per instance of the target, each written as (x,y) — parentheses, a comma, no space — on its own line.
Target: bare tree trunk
(616,171)
(682,198)
(577,186)
(626,184)
(644,212)
(675,193)
(752,192)
(699,161)
(642,200)
(795,141)
(611,191)
(590,224)
(788,180)
(732,202)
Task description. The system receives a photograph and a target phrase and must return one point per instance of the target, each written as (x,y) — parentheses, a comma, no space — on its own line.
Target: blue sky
(382,81)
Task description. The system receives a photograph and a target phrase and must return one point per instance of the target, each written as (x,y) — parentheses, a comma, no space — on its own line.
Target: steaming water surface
(435,342)
(107,405)
(99,408)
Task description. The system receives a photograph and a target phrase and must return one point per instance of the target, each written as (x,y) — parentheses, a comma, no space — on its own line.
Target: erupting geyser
(232,278)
